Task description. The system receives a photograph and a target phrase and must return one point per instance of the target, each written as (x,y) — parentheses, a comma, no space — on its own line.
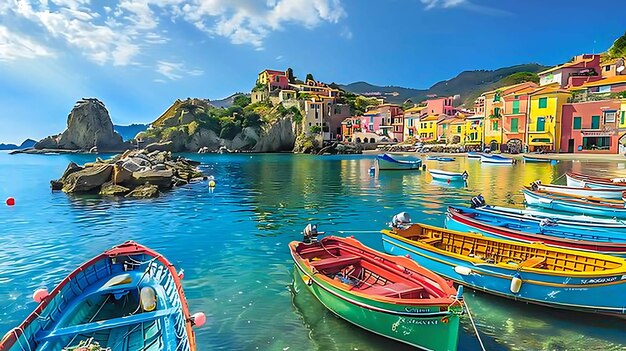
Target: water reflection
(232,243)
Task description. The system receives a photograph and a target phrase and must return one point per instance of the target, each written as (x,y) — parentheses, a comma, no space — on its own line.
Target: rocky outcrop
(125,173)
(277,136)
(88,125)
(340,149)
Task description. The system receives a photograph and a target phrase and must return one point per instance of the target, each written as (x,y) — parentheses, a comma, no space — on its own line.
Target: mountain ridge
(468,84)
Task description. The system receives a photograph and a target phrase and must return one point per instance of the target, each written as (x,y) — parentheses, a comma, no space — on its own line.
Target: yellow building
(474,131)
(544,120)
(265,76)
(456,131)
(427,129)
(492,124)
(411,122)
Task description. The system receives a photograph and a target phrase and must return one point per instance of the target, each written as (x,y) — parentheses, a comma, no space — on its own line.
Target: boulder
(88,125)
(112,189)
(278,136)
(161,146)
(160,178)
(121,174)
(87,179)
(144,191)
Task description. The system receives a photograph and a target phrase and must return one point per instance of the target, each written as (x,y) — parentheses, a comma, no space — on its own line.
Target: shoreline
(563,157)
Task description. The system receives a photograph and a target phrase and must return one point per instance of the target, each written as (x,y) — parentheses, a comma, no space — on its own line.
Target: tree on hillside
(361,103)
(242,100)
(309,76)
(290,76)
(520,77)
(618,49)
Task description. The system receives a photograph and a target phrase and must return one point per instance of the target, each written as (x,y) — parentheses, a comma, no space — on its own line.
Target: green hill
(468,84)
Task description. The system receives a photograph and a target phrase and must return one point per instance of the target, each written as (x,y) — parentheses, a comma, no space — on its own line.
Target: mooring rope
(474,325)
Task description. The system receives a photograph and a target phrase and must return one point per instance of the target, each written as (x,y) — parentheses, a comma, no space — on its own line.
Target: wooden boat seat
(391,290)
(430,241)
(335,261)
(106,324)
(532,262)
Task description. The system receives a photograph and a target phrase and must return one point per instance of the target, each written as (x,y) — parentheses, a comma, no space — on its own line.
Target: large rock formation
(136,173)
(88,125)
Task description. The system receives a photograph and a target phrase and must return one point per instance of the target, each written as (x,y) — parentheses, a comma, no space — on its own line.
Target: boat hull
(567,240)
(594,223)
(428,330)
(496,160)
(536,159)
(473,155)
(574,181)
(442,175)
(387,163)
(604,193)
(557,204)
(603,294)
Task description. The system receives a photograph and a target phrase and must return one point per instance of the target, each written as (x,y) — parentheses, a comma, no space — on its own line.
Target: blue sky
(138,56)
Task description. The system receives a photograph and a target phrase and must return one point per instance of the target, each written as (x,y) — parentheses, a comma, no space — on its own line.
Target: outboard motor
(535,185)
(402,220)
(310,233)
(465,176)
(478,201)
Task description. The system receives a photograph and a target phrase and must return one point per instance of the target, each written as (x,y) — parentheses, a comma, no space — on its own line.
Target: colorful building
(349,127)
(427,128)
(411,121)
(514,116)
(581,69)
(440,106)
(474,132)
(591,127)
(380,120)
(492,123)
(543,131)
(273,79)
(456,131)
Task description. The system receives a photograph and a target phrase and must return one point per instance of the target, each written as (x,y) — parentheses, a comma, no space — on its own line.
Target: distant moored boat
(387,162)
(497,159)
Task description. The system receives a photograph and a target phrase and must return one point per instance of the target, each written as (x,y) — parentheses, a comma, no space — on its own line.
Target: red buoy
(10,201)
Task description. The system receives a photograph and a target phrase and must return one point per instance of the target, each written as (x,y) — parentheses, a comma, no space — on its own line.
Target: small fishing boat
(390,296)
(529,232)
(564,220)
(575,204)
(603,193)
(386,162)
(496,159)
(474,155)
(532,273)
(128,298)
(439,158)
(582,180)
(445,175)
(533,159)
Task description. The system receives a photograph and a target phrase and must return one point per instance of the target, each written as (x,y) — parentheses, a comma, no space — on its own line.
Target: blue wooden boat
(496,159)
(532,159)
(533,273)
(128,298)
(560,220)
(574,204)
(606,242)
(439,158)
(387,162)
(474,155)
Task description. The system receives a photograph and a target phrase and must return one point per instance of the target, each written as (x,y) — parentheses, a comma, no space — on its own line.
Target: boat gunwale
(575,200)
(518,213)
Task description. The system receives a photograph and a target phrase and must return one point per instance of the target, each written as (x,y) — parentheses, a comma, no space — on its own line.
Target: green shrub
(229,130)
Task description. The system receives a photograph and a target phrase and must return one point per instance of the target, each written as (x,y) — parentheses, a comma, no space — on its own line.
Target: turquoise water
(232,244)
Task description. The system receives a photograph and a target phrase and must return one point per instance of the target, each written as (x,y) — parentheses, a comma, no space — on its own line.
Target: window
(430,125)
(496,111)
(430,135)
(609,117)
(516,97)
(607,68)
(595,122)
(623,117)
(458,129)
(604,89)
(515,106)
(514,125)
(494,125)
(543,102)
(541,124)
(578,123)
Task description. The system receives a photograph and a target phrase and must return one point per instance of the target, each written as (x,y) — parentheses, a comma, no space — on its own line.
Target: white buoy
(462,270)
(516,284)
(40,294)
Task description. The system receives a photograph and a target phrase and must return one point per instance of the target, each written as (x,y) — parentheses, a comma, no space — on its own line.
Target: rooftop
(606,81)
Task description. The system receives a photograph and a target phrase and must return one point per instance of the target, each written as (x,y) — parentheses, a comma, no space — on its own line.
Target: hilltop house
(581,69)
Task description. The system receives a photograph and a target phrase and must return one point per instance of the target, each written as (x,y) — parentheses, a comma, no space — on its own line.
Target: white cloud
(346,33)
(430,4)
(279,58)
(15,46)
(175,70)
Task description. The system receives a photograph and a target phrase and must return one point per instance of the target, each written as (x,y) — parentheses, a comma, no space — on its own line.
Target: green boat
(388,295)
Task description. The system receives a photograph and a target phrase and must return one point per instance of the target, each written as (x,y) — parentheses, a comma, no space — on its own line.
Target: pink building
(384,120)
(440,106)
(580,70)
(590,127)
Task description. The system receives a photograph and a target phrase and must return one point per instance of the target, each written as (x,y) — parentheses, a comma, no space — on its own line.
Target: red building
(590,127)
